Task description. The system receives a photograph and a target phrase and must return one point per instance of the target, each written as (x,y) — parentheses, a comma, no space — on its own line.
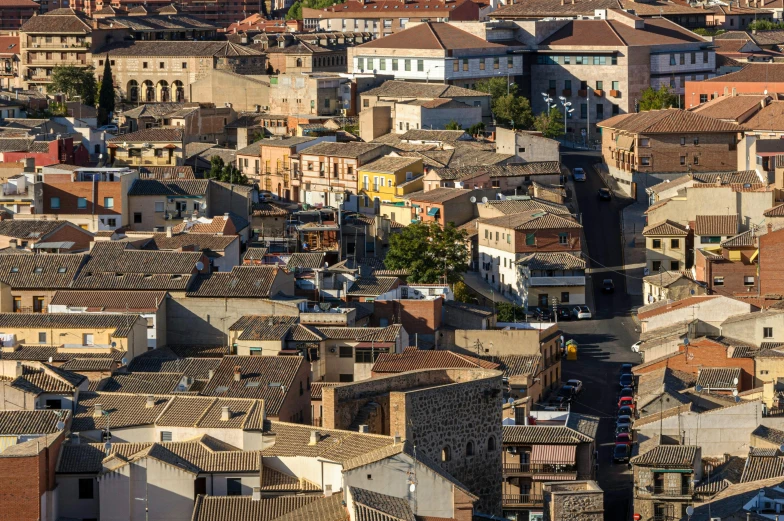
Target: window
(344,378)
(54,202)
(615,109)
(481,64)
(54,403)
(81,202)
(108,202)
(614,60)
(166,436)
(567,84)
(366,356)
(552,84)
(696,160)
(509,62)
(394,64)
(703,98)
(469,448)
(446,454)
(683,160)
(683,141)
(616,85)
(683,59)
(346,351)
(491,444)
(767,332)
(672,59)
(656,244)
(656,266)
(184,65)
(599,111)
(161,65)
(645,141)
(530,239)
(583,110)
(599,85)
(718,281)
(465,64)
(748,280)
(696,141)
(41,337)
(137,218)
(645,161)
(675,265)
(455,66)
(675,244)
(710,240)
(407,64)
(85,488)
(420,65)
(382,64)
(370,64)
(496,62)
(17,306)
(563,238)
(233,487)
(144,65)
(159,206)
(599,60)
(583,85)
(704,56)
(87,339)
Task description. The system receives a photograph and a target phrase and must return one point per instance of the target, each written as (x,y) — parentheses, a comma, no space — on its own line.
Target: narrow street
(604,342)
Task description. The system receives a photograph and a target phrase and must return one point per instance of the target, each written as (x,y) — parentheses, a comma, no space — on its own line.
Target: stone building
(452,415)
(664,479)
(306,57)
(573,501)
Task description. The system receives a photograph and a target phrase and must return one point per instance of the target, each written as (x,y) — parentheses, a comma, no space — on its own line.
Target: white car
(112,129)
(578,174)
(636,346)
(581,312)
(577,384)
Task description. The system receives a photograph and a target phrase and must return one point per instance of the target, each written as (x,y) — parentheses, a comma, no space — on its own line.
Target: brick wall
(734,274)
(69,193)
(771,251)
(417,316)
(715,153)
(79,237)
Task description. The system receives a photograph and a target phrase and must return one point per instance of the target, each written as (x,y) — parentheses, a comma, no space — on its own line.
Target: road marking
(616,268)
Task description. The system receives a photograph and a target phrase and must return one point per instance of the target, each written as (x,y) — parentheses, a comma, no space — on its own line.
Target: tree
(295,11)
(657,99)
(74,81)
(225,173)
(461,292)
(453,125)
(106,94)
(764,25)
(476,129)
(550,124)
(507,312)
(513,110)
(428,252)
(496,87)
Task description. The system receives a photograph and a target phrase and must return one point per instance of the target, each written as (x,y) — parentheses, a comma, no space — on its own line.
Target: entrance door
(543,300)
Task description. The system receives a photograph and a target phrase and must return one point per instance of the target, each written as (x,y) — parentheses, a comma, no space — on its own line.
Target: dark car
(623,429)
(564,314)
(626,380)
(621,453)
(566,392)
(626,392)
(626,368)
(608,286)
(625,411)
(543,314)
(605,194)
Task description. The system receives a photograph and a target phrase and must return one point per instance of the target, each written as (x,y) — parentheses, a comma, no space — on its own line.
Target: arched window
(299,62)
(446,454)
(491,444)
(470,448)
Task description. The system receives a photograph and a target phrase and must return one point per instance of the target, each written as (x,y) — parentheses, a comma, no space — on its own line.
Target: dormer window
(38,270)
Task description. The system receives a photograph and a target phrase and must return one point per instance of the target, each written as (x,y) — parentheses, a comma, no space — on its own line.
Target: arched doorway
(179,91)
(133,91)
(149,91)
(163,91)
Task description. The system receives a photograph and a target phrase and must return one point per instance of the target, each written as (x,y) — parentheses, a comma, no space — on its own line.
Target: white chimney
(397,438)
(168,231)
(237,373)
(225,414)
(327,490)
(150,403)
(314,438)
(256,496)
(210,374)
(97,410)
(364,429)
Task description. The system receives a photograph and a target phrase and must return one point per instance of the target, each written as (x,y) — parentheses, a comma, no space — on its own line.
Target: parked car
(581,312)
(112,129)
(605,194)
(558,403)
(626,368)
(578,174)
(564,313)
(624,438)
(627,401)
(577,384)
(566,392)
(623,429)
(625,411)
(623,422)
(543,314)
(626,391)
(626,380)
(608,286)
(621,453)
(636,346)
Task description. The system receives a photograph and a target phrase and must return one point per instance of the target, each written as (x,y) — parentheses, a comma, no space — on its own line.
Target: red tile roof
(432,36)
(726,225)
(412,359)
(667,121)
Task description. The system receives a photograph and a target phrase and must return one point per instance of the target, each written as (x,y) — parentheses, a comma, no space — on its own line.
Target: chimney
(770,227)
(150,403)
(237,373)
(210,374)
(364,429)
(19,369)
(327,490)
(314,438)
(98,410)
(256,496)
(225,413)
(168,231)
(397,438)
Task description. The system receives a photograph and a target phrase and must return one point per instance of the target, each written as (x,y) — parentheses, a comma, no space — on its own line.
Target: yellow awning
(751,259)
(624,142)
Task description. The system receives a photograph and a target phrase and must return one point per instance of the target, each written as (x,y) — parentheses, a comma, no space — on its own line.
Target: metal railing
(522,499)
(544,468)
(660,490)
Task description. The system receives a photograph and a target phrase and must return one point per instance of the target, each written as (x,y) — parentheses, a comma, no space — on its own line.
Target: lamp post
(565,104)
(508,80)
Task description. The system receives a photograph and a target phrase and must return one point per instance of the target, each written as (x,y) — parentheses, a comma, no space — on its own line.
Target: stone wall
(577,501)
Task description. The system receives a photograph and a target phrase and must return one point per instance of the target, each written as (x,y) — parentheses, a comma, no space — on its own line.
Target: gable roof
(532,220)
(582,430)
(28,422)
(261,327)
(44,270)
(412,359)
(241,282)
(169,187)
(670,456)
(508,206)
(667,121)
(134,301)
(120,323)
(151,135)
(370,505)
(665,306)
(656,31)
(666,228)
(431,36)
(407,89)
(726,225)
(245,508)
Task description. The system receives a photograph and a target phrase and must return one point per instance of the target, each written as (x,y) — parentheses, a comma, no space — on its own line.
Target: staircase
(362,416)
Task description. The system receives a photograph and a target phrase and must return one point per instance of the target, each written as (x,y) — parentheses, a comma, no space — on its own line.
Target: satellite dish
(473,199)
(735,381)
(124,361)
(686,341)
(412,487)
(689,510)
(60,425)
(200,265)
(698,388)
(484,200)
(781,448)
(114,344)
(691,292)
(510,401)
(734,392)
(737,399)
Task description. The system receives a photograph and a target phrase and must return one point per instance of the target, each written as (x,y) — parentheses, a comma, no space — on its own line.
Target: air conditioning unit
(36,45)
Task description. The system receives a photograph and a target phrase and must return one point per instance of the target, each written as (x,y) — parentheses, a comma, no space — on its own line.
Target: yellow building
(388,179)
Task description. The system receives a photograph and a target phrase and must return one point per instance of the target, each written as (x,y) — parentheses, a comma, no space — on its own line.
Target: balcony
(566,92)
(551,92)
(537,468)
(615,93)
(557,281)
(522,500)
(598,93)
(665,491)
(582,93)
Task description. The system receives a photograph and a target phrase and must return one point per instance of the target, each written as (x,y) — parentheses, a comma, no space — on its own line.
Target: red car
(623,439)
(627,401)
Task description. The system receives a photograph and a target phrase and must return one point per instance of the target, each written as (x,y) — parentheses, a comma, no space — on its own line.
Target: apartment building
(149,146)
(438,52)
(507,241)
(730,269)
(389,178)
(667,247)
(602,66)
(384,17)
(664,480)
(16,12)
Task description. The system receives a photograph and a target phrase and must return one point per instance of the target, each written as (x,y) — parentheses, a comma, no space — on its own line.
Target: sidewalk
(632,224)
(474,281)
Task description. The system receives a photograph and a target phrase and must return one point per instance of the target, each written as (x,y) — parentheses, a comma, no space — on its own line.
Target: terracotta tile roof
(334,445)
(217,224)
(368,505)
(244,508)
(517,365)
(30,229)
(264,377)
(432,36)
(200,350)
(205,412)
(665,306)
(388,164)
(150,135)
(49,270)
(28,422)
(163,360)
(769,434)
(254,254)
(470,308)
(132,301)
(667,121)
(142,187)
(306,260)
(268,210)
(671,456)
(65,21)
(240,282)
(718,378)
(263,327)
(768,118)
(89,364)
(666,228)
(497,171)
(350,150)
(776,211)
(199,242)
(754,73)
(316,389)
(658,31)
(724,225)
(375,8)
(746,238)
(360,334)
(324,509)
(43,353)
(509,206)
(762,465)
(125,410)
(121,324)
(412,359)
(437,195)
(668,278)
(532,220)
(552,434)
(166,172)
(142,383)
(203,49)
(729,107)
(553,261)
(372,286)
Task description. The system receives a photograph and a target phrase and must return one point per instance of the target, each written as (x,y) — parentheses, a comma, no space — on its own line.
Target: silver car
(581,312)
(578,174)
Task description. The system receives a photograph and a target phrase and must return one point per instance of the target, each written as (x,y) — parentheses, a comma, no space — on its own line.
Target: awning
(433,212)
(374,345)
(624,142)
(567,476)
(563,454)
(751,259)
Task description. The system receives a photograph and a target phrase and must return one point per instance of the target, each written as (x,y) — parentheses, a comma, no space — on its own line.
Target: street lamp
(508,80)
(565,104)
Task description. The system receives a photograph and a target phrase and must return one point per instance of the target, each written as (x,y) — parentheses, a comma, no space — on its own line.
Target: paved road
(604,342)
